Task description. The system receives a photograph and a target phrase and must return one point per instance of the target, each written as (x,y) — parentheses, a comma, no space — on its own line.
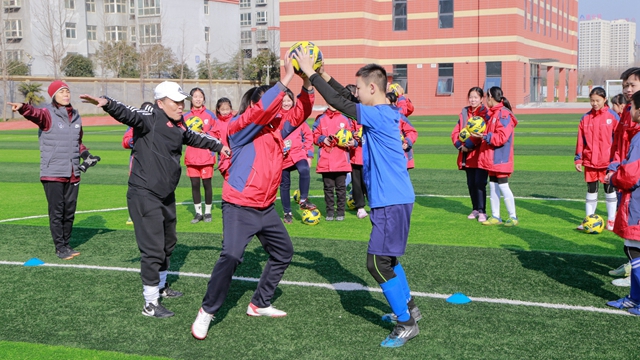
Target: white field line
(347,286)
(311,196)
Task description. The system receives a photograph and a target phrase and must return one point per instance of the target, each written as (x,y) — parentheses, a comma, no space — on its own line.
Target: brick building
(438,49)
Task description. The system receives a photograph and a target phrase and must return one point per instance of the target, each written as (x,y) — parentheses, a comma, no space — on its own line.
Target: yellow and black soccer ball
(312,49)
(343,136)
(593,224)
(464,135)
(311,217)
(476,125)
(195,124)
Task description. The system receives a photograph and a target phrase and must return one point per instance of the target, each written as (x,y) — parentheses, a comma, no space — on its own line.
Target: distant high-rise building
(259,26)
(605,43)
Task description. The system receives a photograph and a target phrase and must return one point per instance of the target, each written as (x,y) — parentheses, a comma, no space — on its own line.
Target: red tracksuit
(199,157)
(620,145)
(496,149)
(410,136)
(468,159)
(332,158)
(298,150)
(626,179)
(404,105)
(595,137)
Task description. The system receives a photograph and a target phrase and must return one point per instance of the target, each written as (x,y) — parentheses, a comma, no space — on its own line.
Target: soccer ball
(311,217)
(194,124)
(343,136)
(296,196)
(395,88)
(464,135)
(476,125)
(351,203)
(312,49)
(593,224)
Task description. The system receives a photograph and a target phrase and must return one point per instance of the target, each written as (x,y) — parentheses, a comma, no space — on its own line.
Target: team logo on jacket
(206,121)
(341,125)
(609,121)
(169,124)
(61,125)
(77,126)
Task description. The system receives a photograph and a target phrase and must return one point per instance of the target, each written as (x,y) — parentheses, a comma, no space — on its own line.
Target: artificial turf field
(538,290)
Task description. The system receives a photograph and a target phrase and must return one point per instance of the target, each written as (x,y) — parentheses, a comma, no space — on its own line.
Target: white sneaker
(200,326)
(270,311)
(580,227)
(623,282)
(362,213)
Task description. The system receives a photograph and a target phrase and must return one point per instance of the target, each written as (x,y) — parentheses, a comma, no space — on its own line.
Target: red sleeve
(579,143)
(409,131)
(317,131)
(502,132)
(405,105)
(127,139)
(40,117)
(303,108)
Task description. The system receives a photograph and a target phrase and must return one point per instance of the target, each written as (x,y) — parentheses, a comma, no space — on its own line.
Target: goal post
(613,88)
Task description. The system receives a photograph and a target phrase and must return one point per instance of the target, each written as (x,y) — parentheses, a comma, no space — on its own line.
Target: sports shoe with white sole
(482,217)
(511,221)
(624,303)
(73,252)
(269,311)
(400,334)
(200,327)
(392,318)
(622,270)
(362,213)
(168,292)
(473,215)
(610,225)
(492,221)
(580,227)
(623,282)
(156,310)
(635,310)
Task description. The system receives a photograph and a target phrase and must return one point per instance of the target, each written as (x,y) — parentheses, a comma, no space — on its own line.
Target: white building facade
(603,43)
(259,26)
(35,30)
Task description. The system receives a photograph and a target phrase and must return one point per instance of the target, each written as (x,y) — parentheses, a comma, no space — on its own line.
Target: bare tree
(50,23)
(183,53)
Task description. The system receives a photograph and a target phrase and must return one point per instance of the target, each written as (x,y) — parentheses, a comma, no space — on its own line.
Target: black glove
(89,161)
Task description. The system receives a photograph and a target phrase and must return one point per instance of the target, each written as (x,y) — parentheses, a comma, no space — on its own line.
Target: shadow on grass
(451,206)
(573,270)
(85,230)
(354,302)
(554,210)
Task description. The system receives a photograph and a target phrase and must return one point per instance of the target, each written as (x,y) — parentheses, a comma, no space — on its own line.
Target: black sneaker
(401,333)
(307,205)
(207,217)
(197,219)
(64,253)
(156,310)
(288,218)
(74,253)
(168,292)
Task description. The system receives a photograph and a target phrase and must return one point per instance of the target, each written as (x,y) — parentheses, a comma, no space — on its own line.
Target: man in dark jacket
(155,172)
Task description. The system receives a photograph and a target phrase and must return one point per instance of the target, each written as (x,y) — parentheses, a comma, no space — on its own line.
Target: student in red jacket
(593,150)
(468,154)
(618,103)
(625,177)
(333,161)
(496,155)
(248,195)
(405,107)
(224,114)
(298,150)
(200,162)
(408,133)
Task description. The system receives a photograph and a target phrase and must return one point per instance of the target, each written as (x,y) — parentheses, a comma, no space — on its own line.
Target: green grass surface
(53,312)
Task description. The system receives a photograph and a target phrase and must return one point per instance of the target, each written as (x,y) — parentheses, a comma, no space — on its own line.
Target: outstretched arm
(128,115)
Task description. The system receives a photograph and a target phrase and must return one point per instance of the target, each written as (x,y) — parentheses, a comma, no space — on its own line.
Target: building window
(70,4)
(207,34)
(70,30)
(445,14)
(261,35)
(248,53)
(245,19)
(92,32)
(494,75)
(245,37)
(400,75)
(245,4)
(148,7)
(115,6)
(90,6)
(12,3)
(261,17)
(115,33)
(132,34)
(445,79)
(150,34)
(13,29)
(206,7)
(132,7)
(261,2)
(14,55)
(399,15)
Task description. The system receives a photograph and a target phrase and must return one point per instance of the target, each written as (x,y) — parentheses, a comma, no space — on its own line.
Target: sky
(612,10)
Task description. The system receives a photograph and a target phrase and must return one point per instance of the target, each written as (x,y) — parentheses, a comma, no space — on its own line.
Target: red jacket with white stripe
(410,135)
(255,170)
(404,105)
(295,141)
(199,157)
(332,158)
(468,159)
(496,148)
(595,137)
(626,178)
(620,145)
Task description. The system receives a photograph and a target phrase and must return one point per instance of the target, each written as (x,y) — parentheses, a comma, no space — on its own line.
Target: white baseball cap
(170,90)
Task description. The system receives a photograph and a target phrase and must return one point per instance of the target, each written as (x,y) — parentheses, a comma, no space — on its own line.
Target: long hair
(496,94)
(252,96)
(599,92)
(193,91)
(220,102)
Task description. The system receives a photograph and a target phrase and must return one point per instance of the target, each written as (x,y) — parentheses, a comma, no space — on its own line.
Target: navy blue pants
(477,184)
(285,184)
(240,225)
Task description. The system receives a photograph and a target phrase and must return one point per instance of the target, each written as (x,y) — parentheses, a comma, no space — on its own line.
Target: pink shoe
(610,225)
(473,215)
(482,217)
(362,213)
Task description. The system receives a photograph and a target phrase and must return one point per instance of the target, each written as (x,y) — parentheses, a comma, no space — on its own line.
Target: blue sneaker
(625,303)
(635,310)
(400,335)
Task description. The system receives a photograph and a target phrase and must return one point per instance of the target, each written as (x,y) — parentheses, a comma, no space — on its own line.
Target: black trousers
(62,198)
(358,188)
(477,184)
(240,225)
(154,223)
(335,181)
